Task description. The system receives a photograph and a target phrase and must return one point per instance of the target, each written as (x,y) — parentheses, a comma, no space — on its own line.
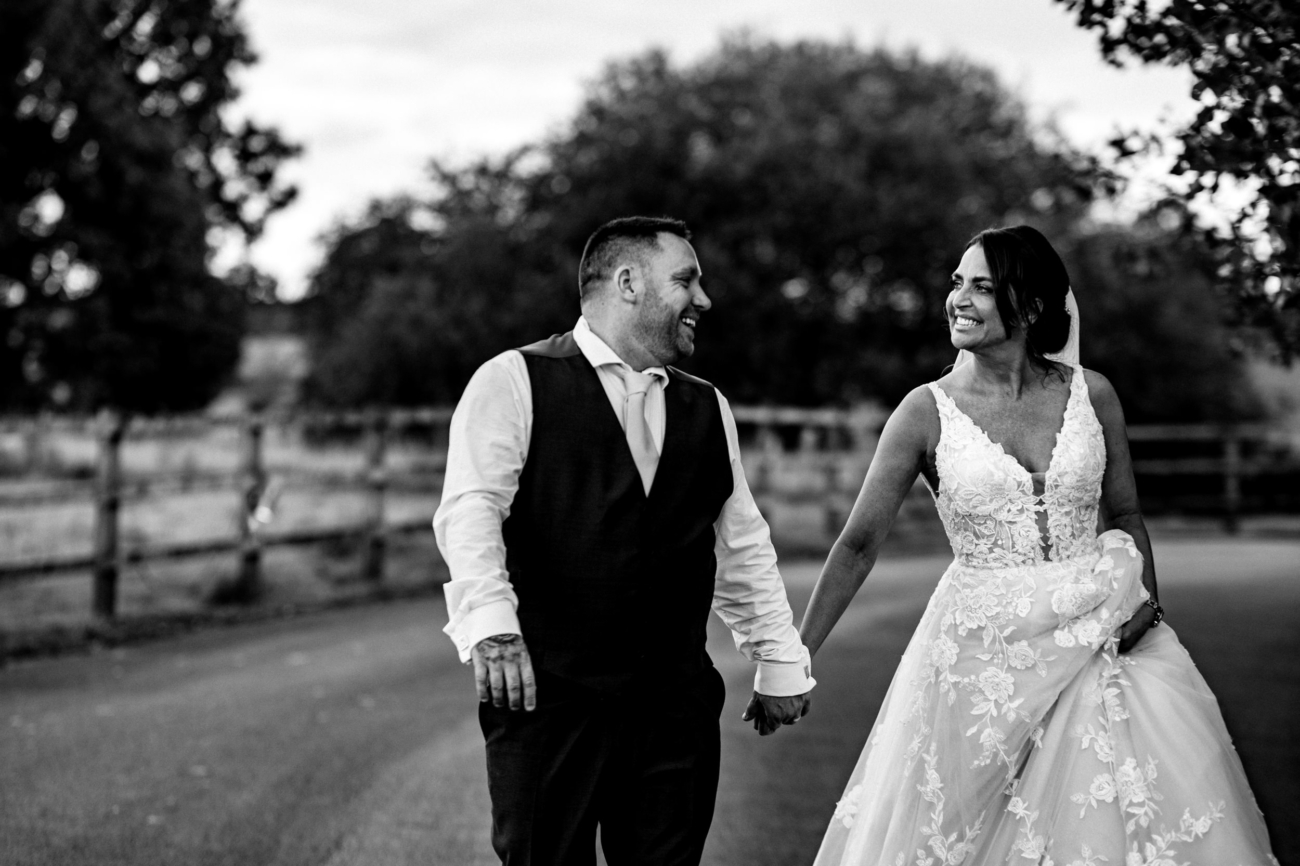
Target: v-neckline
(1001,449)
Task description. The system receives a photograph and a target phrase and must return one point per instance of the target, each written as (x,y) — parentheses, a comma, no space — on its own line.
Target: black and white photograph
(437,433)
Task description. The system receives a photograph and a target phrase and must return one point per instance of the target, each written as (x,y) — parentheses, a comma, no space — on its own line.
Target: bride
(1040,714)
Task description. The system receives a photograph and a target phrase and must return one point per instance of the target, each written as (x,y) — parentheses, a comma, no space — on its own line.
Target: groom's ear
(627,283)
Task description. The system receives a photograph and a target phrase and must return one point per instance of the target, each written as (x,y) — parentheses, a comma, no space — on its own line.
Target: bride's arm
(1119,497)
(900,456)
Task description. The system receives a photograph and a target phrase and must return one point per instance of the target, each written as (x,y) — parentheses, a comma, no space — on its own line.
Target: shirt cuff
(495,617)
(785,679)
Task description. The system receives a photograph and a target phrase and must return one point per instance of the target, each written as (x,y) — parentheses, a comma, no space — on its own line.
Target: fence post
(112,427)
(1231,480)
(834,512)
(808,436)
(34,439)
(250,544)
(770,449)
(377,481)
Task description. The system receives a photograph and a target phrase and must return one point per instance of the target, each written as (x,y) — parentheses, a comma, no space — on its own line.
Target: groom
(594,510)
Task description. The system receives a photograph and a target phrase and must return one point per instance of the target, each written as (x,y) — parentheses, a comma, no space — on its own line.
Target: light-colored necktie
(638,431)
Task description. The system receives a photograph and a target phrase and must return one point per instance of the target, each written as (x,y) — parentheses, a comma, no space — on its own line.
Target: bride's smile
(971,307)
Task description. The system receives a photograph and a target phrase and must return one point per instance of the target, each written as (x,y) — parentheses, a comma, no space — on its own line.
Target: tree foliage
(832,191)
(1153,324)
(1244,56)
(400,313)
(117,165)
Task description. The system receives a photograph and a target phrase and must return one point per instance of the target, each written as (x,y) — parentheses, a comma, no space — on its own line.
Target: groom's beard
(660,331)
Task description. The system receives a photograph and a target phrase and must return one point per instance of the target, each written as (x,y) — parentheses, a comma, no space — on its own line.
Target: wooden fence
(817,457)
(1233,454)
(251,485)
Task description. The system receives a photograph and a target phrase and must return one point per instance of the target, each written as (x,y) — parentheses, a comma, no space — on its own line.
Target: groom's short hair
(615,240)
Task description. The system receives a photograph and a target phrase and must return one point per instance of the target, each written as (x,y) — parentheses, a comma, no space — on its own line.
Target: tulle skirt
(1014,732)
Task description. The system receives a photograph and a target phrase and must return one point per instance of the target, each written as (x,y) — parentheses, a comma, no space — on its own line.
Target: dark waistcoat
(614,586)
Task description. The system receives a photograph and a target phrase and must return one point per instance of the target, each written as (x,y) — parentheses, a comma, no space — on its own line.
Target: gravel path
(350,737)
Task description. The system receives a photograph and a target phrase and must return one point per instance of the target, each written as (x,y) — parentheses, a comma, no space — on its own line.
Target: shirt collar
(599,354)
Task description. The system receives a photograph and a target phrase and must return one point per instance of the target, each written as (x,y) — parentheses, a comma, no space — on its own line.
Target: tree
(1244,56)
(117,170)
(402,314)
(832,189)
(1153,323)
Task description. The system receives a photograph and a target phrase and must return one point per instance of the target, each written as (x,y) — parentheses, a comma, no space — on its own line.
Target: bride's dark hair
(1030,283)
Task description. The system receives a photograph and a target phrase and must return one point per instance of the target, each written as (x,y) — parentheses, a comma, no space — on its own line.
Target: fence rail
(182,550)
(251,482)
(827,449)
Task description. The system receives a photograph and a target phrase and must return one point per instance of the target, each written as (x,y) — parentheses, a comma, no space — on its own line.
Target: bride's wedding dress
(1013,731)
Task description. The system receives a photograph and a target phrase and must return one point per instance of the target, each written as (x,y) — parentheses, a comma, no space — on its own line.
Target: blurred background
(250,254)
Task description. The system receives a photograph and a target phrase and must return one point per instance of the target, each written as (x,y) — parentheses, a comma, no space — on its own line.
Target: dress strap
(1078,391)
(942,402)
(947,408)
(1080,404)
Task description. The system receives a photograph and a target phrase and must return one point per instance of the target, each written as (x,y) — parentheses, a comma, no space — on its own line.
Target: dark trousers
(643,766)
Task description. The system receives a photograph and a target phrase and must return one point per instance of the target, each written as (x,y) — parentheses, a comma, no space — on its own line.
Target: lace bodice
(986,499)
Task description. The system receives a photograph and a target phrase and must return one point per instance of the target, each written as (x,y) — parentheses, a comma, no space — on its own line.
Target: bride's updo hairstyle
(1030,284)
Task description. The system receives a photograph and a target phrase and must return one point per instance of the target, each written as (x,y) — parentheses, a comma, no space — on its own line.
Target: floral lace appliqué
(987,500)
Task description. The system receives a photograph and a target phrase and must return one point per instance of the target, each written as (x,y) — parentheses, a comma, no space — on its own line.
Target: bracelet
(1160,611)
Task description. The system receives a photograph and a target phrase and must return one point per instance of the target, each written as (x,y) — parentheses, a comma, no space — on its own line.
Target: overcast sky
(374,88)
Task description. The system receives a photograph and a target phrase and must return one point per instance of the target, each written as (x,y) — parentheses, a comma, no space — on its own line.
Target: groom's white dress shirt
(490,434)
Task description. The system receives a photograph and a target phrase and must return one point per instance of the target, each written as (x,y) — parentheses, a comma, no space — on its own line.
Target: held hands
(503,672)
(769,713)
(1131,632)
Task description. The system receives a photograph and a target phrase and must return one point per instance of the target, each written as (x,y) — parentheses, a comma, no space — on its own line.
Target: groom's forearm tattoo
(501,647)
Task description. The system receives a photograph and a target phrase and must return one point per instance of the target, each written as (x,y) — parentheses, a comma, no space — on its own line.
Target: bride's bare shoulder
(920,401)
(1099,387)
(1105,402)
(916,419)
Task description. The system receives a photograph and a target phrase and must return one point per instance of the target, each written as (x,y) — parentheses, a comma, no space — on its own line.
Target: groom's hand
(503,672)
(769,713)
